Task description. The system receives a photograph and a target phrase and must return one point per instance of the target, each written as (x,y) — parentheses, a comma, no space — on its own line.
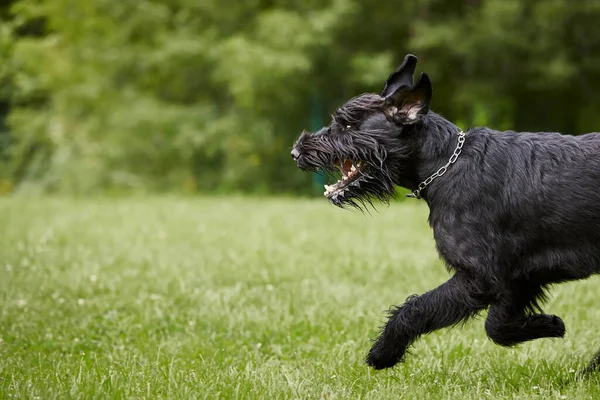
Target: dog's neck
(435,141)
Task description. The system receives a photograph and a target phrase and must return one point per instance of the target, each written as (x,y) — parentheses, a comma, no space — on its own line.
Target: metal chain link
(416,194)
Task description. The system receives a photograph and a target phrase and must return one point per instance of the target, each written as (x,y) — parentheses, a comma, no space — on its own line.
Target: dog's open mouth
(351,171)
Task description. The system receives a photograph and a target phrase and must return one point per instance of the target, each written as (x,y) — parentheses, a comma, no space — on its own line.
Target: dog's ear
(403,76)
(408,105)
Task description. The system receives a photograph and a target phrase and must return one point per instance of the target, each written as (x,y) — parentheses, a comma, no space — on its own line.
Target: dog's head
(371,140)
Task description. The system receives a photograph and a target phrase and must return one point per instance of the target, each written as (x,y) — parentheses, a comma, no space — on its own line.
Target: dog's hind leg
(454,301)
(510,320)
(594,365)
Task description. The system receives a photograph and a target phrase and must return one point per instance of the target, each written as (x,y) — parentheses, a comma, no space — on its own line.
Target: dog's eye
(348,127)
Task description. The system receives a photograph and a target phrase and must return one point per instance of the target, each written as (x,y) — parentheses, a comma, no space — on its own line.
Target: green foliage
(185,95)
(247,299)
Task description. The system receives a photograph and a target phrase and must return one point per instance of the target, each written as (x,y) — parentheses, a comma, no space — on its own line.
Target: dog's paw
(547,325)
(382,357)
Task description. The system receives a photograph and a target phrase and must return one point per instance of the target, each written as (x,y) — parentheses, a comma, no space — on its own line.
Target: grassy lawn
(248,298)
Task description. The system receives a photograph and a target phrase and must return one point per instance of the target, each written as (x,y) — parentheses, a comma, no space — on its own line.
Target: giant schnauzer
(512,213)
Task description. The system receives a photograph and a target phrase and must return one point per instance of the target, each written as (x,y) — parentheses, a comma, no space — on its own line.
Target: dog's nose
(295,154)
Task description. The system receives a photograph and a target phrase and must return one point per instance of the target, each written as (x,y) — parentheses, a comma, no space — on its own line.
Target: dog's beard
(360,192)
(356,183)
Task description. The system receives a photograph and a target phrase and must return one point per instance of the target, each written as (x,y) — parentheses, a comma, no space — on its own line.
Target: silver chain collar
(416,194)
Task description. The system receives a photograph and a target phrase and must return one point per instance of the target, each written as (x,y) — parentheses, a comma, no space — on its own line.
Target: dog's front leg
(447,305)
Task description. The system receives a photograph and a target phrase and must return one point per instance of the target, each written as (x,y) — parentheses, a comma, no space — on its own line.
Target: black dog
(512,213)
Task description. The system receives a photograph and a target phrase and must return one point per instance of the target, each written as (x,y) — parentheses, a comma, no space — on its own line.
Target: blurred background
(208,96)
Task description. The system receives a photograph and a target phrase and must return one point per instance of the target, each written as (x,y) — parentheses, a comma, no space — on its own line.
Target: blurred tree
(209,96)
(6,78)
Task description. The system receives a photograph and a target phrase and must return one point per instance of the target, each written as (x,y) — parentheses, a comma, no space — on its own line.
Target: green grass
(248,298)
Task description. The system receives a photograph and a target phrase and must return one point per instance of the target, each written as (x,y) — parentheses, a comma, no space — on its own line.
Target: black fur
(516,213)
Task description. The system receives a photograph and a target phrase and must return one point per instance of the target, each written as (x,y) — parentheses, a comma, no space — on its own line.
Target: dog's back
(531,199)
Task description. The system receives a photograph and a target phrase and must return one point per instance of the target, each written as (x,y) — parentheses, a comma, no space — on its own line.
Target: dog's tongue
(346,167)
